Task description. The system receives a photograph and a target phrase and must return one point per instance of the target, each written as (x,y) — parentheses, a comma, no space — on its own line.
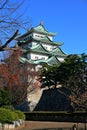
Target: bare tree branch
(2,6)
(2,48)
(11,21)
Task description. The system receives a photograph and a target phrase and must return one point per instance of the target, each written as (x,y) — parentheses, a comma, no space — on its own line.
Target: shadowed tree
(48,75)
(5,97)
(72,75)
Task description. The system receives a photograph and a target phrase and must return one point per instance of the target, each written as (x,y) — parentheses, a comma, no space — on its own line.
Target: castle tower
(39,47)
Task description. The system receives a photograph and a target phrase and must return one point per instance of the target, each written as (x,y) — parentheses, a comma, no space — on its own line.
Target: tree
(11,72)
(11,20)
(72,75)
(48,76)
(5,97)
(16,76)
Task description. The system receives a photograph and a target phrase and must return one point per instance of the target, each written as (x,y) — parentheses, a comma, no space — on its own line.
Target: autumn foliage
(14,75)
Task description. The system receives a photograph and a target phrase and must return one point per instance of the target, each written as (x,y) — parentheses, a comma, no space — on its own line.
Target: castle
(39,48)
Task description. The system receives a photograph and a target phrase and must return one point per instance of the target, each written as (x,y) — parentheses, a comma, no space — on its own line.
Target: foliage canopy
(71,74)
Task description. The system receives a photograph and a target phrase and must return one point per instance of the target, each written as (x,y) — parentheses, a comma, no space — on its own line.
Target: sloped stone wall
(53,100)
(46,100)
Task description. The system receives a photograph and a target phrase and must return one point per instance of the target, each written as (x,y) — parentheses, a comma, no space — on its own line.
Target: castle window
(43,58)
(36,57)
(39,36)
(36,35)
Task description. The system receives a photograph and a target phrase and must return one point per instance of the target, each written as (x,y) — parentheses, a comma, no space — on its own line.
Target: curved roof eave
(41,29)
(42,32)
(58,51)
(40,61)
(53,60)
(39,48)
(46,39)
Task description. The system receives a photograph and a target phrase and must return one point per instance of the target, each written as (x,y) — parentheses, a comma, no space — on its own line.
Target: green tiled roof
(38,61)
(40,28)
(50,61)
(46,39)
(22,59)
(39,49)
(58,52)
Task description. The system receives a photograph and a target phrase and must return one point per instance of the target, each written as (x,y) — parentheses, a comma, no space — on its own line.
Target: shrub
(20,114)
(8,107)
(7,116)
(3,115)
(14,116)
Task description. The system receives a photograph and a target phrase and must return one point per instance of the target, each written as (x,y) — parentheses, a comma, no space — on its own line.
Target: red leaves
(11,70)
(14,74)
(17,77)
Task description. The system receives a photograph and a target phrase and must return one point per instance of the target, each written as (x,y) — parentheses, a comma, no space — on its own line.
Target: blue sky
(66,17)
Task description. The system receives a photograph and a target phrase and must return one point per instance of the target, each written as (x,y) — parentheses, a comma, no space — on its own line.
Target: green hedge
(8,116)
(20,114)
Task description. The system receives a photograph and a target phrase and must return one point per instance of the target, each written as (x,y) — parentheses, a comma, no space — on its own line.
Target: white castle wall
(37,56)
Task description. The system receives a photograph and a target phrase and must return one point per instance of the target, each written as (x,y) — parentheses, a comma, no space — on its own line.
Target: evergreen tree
(71,74)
